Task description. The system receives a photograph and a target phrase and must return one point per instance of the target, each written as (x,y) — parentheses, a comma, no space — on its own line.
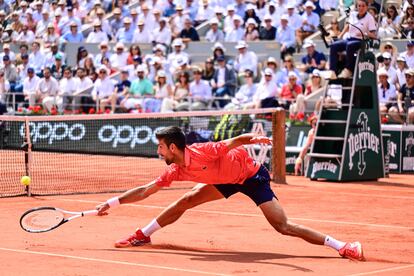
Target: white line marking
(109,261)
(383,270)
(250,215)
(357,194)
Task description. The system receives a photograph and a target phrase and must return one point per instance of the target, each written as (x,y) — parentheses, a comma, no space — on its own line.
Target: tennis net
(108,153)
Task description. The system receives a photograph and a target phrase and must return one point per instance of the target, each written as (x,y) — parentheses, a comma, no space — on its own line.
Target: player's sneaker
(136,239)
(352,250)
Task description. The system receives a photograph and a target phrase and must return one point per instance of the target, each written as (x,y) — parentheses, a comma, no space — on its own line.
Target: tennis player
(213,163)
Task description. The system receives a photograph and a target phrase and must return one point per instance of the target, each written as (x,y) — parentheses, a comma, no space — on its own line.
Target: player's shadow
(221,255)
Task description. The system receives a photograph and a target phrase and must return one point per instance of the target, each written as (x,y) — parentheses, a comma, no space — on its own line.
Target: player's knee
(187,201)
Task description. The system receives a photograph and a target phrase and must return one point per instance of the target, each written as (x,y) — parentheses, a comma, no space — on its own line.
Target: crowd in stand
(167,80)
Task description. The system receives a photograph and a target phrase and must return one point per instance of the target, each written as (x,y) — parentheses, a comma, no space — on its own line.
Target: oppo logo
(126,134)
(54,131)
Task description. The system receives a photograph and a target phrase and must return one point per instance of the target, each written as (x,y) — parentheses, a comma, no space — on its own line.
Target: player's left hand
(261,140)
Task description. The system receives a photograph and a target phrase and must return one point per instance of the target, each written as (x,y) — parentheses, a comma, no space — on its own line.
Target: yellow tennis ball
(25,180)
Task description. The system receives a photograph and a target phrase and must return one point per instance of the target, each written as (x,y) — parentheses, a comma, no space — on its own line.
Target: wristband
(113,202)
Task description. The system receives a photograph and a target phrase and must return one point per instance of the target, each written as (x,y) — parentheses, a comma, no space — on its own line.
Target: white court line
(110,261)
(356,194)
(383,270)
(249,215)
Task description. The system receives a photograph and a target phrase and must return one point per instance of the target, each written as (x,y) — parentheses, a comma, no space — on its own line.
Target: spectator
(36,58)
(289,93)
(134,19)
(218,50)
(214,34)
(67,88)
(119,59)
(89,66)
(261,8)
(329,5)
(266,93)
(240,8)
(251,33)
(391,49)
(162,90)
(390,23)
(126,33)
(10,73)
(116,23)
(170,9)
(315,83)
(219,16)
(15,23)
(177,21)
(408,31)
(272,65)
(121,90)
(204,13)
(83,82)
(7,52)
(401,70)
(134,53)
(237,32)
(285,35)
(37,11)
(23,66)
(50,37)
(189,33)
(105,25)
(48,91)
(228,21)
(30,84)
(73,35)
(104,52)
(157,18)
(352,44)
(244,96)
(148,18)
(245,59)
(70,19)
(310,21)
(392,73)
(57,68)
(4,6)
(267,31)
(283,75)
(57,22)
(162,34)
(23,50)
(209,70)
(41,25)
(295,20)
(141,35)
(141,88)
(334,31)
(200,93)
(82,55)
(250,13)
(313,59)
(405,100)
(192,9)
(179,95)
(97,35)
(387,92)
(224,81)
(103,89)
(409,54)
(176,55)
(4,90)
(25,36)
(408,15)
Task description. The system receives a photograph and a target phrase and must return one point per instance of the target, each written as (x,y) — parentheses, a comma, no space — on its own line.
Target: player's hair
(172,135)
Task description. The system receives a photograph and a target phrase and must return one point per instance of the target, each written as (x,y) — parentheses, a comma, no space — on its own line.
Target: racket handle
(90,213)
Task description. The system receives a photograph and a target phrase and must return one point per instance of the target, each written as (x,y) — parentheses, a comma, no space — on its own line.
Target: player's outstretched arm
(133,195)
(247,139)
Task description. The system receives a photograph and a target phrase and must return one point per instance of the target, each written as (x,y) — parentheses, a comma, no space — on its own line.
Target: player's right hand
(102,209)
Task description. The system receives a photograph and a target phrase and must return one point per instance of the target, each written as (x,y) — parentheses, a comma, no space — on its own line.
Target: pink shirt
(211,163)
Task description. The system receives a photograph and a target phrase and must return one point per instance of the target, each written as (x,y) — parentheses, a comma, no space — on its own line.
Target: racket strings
(42,220)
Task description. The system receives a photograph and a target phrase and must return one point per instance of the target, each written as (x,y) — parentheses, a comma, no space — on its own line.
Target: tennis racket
(44,219)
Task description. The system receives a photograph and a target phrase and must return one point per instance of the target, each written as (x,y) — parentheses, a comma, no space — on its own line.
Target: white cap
(241,44)
(214,21)
(177,42)
(237,17)
(271,60)
(267,17)
(231,8)
(218,45)
(316,72)
(284,17)
(218,9)
(401,58)
(119,45)
(140,68)
(251,21)
(308,43)
(292,74)
(382,72)
(268,72)
(161,74)
(182,61)
(250,7)
(309,4)
(290,5)
(386,55)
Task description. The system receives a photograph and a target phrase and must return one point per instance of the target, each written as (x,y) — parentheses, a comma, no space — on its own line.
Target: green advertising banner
(394,146)
(407,149)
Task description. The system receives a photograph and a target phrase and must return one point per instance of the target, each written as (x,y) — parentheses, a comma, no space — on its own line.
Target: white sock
(335,244)
(151,228)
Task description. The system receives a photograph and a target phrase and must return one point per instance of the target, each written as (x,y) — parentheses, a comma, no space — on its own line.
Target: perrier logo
(361,141)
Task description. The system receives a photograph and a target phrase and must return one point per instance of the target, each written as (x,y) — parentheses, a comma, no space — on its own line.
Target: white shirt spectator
(149,21)
(234,35)
(48,87)
(409,59)
(37,61)
(205,13)
(328,5)
(285,36)
(41,27)
(103,88)
(217,36)
(97,37)
(26,37)
(245,61)
(312,19)
(162,36)
(68,86)
(385,95)
(83,84)
(141,36)
(119,60)
(30,85)
(295,21)
(265,90)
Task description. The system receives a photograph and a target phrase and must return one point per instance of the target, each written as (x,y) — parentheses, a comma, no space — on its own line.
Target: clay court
(227,237)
